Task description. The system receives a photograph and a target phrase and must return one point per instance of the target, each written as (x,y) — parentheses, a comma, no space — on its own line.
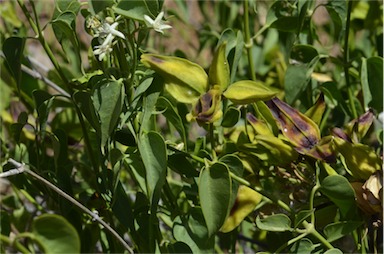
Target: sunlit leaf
(275,223)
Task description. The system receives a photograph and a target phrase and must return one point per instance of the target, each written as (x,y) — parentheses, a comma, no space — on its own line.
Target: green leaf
(215,195)
(179,247)
(170,112)
(99,5)
(153,152)
(192,230)
(231,117)
(8,13)
(333,251)
(339,229)
(297,76)
(133,9)
(372,82)
(180,164)
(339,191)
(84,102)
(13,49)
(122,208)
(274,223)
(55,234)
(108,97)
(305,245)
(43,101)
(338,12)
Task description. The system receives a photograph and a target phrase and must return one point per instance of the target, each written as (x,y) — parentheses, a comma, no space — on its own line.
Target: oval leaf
(275,223)
(247,91)
(153,152)
(55,234)
(215,194)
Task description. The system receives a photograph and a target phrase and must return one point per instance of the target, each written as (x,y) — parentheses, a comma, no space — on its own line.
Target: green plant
(265,138)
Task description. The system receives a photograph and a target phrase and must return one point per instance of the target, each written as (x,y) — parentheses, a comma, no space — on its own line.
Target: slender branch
(248,41)
(13,243)
(22,168)
(346,61)
(311,229)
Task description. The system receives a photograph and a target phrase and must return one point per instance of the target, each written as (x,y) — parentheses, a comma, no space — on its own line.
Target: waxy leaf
(246,201)
(108,96)
(317,110)
(192,230)
(339,229)
(301,131)
(215,195)
(184,80)
(339,191)
(219,70)
(231,117)
(259,126)
(361,160)
(154,154)
(274,223)
(55,234)
(247,91)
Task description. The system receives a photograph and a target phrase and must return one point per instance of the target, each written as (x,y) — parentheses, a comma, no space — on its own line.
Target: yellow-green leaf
(246,201)
(219,70)
(184,80)
(247,91)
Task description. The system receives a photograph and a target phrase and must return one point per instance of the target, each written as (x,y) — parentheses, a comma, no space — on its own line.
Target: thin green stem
(23,168)
(312,195)
(15,244)
(248,41)
(290,242)
(311,229)
(346,61)
(43,42)
(262,192)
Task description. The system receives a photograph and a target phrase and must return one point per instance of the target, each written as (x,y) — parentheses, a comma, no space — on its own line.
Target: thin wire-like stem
(248,41)
(22,168)
(346,61)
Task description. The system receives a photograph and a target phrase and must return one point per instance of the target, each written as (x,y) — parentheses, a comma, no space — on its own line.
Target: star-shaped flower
(158,25)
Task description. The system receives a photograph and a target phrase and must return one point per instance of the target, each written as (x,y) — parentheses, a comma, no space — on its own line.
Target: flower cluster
(106,33)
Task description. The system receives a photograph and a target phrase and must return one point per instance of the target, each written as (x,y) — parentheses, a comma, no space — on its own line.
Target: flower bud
(247,91)
(184,80)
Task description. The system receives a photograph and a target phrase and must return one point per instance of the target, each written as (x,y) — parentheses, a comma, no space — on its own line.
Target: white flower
(102,50)
(106,34)
(158,25)
(108,29)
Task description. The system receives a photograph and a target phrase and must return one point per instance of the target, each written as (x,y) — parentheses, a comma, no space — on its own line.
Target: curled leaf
(208,107)
(247,91)
(359,159)
(219,70)
(317,110)
(357,128)
(258,125)
(184,80)
(301,131)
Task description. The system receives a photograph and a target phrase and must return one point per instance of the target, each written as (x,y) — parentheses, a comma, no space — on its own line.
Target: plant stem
(311,229)
(43,42)
(346,61)
(16,244)
(248,41)
(290,242)
(23,168)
